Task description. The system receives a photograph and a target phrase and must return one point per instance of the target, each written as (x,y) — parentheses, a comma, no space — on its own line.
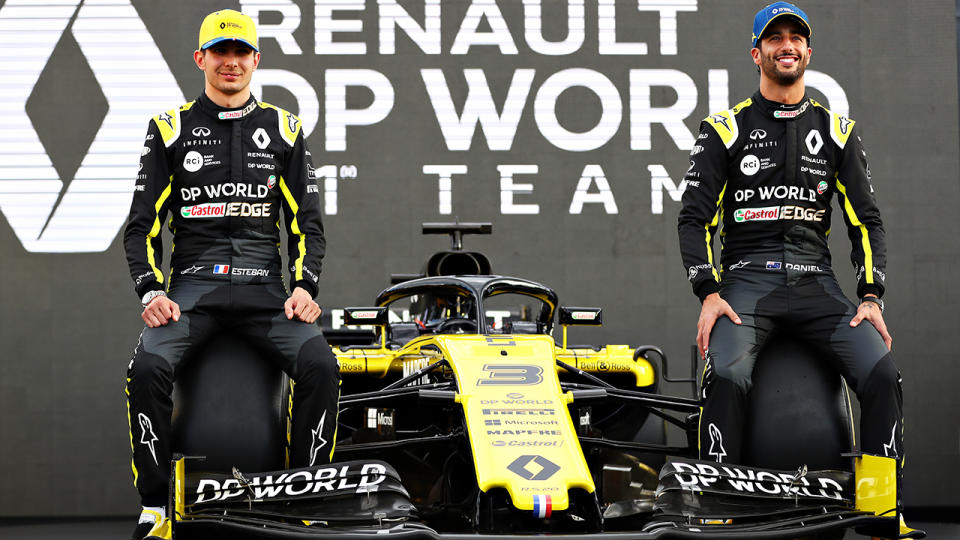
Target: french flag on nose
(542,505)
(221,269)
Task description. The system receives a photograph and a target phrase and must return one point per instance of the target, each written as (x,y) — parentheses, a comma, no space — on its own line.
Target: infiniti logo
(201,131)
(758,134)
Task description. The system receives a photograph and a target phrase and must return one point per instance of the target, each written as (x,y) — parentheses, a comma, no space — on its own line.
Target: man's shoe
(152,526)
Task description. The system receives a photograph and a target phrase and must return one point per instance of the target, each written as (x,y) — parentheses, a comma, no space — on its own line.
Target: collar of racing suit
(782,111)
(223,113)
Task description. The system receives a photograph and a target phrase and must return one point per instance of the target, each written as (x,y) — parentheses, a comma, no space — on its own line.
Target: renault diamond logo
(261,139)
(814,141)
(44,216)
(533,467)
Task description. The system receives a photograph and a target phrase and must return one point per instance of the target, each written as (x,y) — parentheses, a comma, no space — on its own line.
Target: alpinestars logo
(292,122)
(720,119)
(43,215)
(890,449)
(147,436)
(716,443)
(318,440)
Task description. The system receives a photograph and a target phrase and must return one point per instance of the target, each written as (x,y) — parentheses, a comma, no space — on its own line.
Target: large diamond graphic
(48,210)
(66,107)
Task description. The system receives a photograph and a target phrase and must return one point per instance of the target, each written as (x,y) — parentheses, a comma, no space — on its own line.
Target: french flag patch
(221,269)
(542,506)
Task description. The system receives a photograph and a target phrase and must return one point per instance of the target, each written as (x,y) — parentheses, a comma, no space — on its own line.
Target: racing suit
(765,174)
(224,175)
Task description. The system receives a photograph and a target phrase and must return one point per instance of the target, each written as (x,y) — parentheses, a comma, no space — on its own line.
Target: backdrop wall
(566,124)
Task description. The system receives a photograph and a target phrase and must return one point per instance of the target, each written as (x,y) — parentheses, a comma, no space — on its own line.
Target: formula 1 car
(464,412)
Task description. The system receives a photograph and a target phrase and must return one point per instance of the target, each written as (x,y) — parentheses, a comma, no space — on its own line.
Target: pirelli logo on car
(223,209)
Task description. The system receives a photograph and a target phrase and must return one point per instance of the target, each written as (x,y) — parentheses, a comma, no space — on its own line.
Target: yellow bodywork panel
(520,431)
(378,362)
(521,434)
(876,478)
(179,489)
(610,359)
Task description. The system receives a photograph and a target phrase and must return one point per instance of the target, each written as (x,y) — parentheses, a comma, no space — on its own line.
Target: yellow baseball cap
(228,24)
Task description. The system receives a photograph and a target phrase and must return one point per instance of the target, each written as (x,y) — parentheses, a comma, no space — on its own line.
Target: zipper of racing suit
(236,176)
(792,242)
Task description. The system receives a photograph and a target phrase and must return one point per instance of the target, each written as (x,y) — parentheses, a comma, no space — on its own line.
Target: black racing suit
(765,175)
(224,175)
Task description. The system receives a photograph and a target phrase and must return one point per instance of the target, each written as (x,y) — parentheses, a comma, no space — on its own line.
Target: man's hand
(713,308)
(301,305)
(159,312)
(871,312)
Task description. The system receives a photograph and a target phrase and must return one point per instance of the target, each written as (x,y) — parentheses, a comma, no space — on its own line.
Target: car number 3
(511,374)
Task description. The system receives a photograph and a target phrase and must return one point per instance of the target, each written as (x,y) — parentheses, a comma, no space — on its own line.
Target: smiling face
(783,52)
(228,68)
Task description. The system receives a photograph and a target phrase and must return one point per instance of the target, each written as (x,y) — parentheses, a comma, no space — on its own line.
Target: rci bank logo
(136,83)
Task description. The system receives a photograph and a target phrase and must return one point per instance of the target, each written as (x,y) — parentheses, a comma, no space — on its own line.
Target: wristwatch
(873,299)
(150,296)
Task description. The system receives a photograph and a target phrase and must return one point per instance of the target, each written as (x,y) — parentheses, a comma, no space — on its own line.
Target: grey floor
(110,529)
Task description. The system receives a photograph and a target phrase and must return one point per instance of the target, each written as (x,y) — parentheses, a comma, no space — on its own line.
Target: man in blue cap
(765,172)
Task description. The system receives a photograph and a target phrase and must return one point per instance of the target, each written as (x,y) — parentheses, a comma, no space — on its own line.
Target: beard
(773,71)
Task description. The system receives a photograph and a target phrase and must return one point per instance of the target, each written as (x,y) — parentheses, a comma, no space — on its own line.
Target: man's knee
(149,368)
(730,374)
(883,379)
(316,361)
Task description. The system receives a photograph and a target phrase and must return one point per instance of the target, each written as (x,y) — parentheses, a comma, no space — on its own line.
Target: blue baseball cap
(765,16)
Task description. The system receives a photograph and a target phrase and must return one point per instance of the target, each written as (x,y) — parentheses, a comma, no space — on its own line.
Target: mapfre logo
(97,199)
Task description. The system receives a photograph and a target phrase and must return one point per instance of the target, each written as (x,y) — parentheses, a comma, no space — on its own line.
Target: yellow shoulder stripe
(742,105)
(289,123)
(169,123)
(840,129)
(725,123)
(840,126)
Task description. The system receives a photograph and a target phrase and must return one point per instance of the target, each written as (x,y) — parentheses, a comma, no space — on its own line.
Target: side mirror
(375,316)
(578,316)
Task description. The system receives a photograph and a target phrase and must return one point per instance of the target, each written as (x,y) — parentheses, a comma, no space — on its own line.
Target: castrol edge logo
(224,209)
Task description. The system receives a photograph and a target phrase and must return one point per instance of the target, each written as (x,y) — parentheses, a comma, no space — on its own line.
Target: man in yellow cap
(224,165)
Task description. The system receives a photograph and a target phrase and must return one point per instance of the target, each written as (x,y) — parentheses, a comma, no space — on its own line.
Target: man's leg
(308,360)
(150,376)
(863,359)
(727,378)
(867,365)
